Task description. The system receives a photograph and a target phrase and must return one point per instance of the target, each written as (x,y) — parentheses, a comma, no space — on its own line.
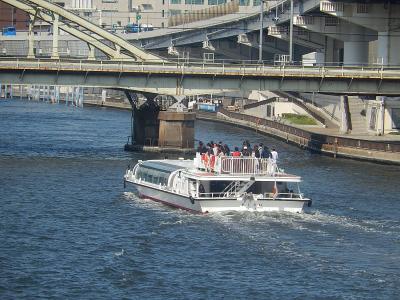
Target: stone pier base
(176,129)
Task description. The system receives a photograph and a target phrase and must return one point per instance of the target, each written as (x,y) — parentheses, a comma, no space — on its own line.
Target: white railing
(235,165)
(268,196)
(327,6)
(304,20)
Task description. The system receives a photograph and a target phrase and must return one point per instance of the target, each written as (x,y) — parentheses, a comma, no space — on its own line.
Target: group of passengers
(220,149)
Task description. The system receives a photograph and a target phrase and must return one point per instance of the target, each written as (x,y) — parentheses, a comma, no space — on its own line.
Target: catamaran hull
(202,205)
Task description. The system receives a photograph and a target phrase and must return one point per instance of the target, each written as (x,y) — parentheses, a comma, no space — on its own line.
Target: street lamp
(260,44)
(291,33)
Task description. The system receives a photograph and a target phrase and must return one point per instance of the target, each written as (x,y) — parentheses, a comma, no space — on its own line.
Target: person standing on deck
(236,153)
(274,155)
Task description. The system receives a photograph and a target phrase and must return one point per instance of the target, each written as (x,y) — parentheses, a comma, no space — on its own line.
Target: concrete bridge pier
(176,129)
(159,131)
(146,124)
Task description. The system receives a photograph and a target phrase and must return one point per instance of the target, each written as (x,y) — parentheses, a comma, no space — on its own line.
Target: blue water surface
(69,230)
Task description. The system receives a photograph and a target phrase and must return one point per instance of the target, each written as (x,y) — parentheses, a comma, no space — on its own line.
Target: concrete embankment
(111,104)
(371,149)
(382,151)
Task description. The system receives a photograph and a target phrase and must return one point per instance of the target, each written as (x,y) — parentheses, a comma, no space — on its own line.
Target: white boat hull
(203,205)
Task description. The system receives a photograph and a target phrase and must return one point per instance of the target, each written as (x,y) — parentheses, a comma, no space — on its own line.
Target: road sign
(138,17)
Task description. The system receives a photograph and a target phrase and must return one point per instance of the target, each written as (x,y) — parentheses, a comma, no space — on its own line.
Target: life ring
(191,199)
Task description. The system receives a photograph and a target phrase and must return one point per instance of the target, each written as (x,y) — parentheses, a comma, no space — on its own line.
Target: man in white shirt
(274,155)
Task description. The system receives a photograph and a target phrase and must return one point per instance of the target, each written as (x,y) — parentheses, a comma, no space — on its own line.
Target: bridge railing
(222,67)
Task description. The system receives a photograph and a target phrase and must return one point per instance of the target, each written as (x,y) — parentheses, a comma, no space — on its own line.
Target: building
(12,17)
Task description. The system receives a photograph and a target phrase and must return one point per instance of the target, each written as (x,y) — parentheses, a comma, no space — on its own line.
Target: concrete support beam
(355,37)
(373,15)
(301,36)
(380,118)
(345,119)
(355,53)
(385,21)
(388,48)
(54,54)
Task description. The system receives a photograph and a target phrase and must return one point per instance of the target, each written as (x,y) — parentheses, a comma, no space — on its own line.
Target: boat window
(218,186)
(153,176)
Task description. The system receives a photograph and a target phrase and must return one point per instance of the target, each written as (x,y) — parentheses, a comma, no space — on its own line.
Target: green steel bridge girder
(196,79)
(83,30)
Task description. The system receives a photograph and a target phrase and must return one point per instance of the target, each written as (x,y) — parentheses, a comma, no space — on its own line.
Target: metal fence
(315,140)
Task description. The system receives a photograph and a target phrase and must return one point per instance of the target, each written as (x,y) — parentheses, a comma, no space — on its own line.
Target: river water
(68,230)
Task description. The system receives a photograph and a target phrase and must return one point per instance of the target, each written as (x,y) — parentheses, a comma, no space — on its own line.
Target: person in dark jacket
(265,153)
(245,151)
(201,148)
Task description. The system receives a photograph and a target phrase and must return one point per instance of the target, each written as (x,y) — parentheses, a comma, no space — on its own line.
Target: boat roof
(203,175)
(166,165)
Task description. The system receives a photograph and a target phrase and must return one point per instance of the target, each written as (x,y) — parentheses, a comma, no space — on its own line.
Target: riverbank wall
(387,152)
(379,151)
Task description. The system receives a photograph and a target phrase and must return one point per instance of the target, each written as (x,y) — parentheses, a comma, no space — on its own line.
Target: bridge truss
(113,46)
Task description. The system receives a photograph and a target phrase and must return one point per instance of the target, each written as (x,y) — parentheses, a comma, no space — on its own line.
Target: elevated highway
(193,78)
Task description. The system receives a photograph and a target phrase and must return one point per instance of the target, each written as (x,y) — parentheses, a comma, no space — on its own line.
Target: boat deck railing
(236,165)
(271,196)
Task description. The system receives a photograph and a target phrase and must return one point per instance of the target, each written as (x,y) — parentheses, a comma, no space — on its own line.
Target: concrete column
(91,55)
(388,45)
(31,41)
(54,54)
(380,117)
(329,50)
(176,129)
(344,120)
(146,124)
(355,53)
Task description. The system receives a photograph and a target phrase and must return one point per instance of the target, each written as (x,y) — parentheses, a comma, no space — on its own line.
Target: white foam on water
(370,226)
(120,253)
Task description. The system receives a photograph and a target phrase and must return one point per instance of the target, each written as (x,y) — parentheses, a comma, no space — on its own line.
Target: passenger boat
(218,184)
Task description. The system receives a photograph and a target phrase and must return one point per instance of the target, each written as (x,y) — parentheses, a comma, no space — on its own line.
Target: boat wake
(314,222)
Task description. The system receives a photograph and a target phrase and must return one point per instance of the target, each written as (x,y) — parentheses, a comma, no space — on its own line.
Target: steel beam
(97,32)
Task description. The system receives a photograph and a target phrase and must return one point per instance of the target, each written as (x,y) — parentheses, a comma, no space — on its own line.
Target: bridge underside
(192,84)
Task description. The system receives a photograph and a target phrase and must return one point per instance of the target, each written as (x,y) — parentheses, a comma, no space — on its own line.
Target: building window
(173,12)
(196,2)
(147,6)
(163,13)
(216,2)
(362,8)
(396,118)
(162,25)
(175,2)
(331,21)
(109,1)
(256,2)
(244,2)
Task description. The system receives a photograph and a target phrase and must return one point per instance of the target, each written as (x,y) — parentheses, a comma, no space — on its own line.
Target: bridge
(194,78)
(115,63)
